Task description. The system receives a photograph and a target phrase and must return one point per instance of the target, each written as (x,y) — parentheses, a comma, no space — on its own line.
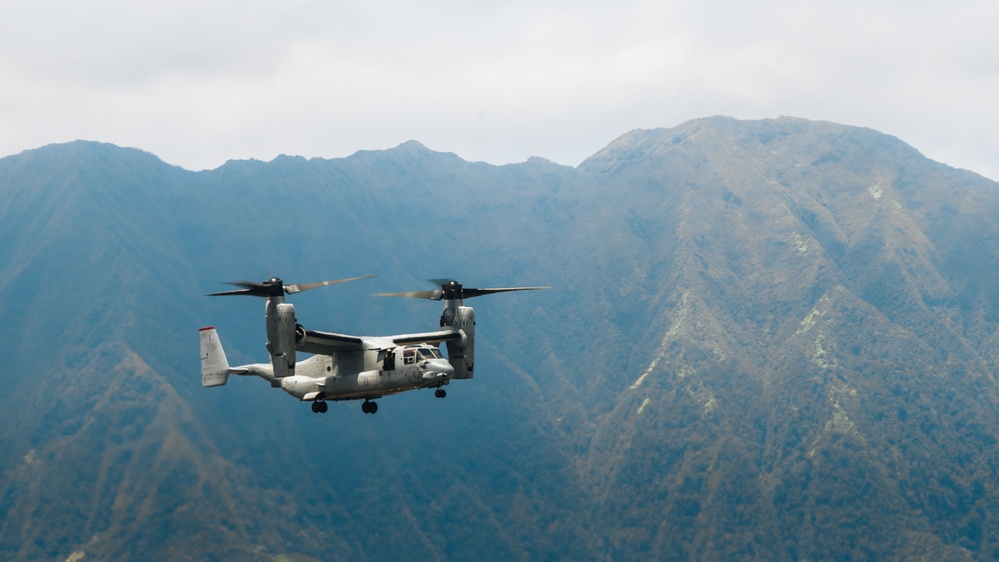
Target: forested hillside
(765,340)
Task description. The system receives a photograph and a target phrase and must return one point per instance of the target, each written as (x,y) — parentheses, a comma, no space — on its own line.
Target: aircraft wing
(326,343)
(427,337)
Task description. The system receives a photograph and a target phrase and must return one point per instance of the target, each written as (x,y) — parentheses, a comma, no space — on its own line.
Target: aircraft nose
(440,366)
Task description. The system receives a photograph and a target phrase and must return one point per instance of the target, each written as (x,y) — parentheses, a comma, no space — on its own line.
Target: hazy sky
(198,82)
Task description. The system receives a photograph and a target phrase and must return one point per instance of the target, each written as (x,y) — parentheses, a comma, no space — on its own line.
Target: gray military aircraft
(345,367)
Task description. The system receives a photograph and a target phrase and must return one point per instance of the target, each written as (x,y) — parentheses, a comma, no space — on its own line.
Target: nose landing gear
(440,393)
(369,407)
(320,407)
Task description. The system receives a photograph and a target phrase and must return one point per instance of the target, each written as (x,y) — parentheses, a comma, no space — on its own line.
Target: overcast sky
(199,82)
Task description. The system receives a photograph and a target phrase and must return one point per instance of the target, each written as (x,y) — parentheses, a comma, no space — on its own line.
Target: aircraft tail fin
(214,365)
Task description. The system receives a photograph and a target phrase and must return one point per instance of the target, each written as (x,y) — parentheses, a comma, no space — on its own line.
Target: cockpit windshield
(429,353)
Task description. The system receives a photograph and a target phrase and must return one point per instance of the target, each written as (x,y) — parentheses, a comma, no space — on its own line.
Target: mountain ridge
(766,340)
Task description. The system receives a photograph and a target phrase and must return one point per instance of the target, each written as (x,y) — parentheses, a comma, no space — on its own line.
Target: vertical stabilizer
(214,366)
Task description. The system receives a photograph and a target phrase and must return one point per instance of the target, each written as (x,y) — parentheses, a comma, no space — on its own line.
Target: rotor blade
(236,292)
(245,284)
(434,295)
(469,293)
(248,288)
(438,294)
(299,287)
(274,287)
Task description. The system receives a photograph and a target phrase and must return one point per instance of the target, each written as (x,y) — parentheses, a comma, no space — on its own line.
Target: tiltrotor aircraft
(345,367)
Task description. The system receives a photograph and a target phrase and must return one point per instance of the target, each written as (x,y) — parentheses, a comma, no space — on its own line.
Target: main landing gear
(320,407)
(369,407)
(440,393)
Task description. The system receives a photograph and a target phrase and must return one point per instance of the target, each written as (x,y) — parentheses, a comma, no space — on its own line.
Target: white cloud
(198,83)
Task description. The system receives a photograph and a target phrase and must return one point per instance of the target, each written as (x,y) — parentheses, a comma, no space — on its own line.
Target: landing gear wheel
(440,393)
(369,407)
(319,407)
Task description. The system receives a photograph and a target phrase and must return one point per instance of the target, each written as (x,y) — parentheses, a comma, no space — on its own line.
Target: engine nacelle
(281,337)
(461,354)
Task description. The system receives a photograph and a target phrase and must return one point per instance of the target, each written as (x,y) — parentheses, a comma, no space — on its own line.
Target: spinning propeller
(452,290)
(274,287)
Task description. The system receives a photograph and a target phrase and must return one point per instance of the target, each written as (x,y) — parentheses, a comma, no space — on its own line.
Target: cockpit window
(429,353)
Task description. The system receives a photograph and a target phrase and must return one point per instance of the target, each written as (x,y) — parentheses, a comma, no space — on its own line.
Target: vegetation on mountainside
(769,340)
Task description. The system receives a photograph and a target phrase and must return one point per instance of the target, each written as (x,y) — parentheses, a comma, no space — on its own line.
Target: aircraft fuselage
(363,374)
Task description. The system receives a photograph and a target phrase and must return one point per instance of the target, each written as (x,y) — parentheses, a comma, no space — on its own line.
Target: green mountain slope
(810,359)
(766,340)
